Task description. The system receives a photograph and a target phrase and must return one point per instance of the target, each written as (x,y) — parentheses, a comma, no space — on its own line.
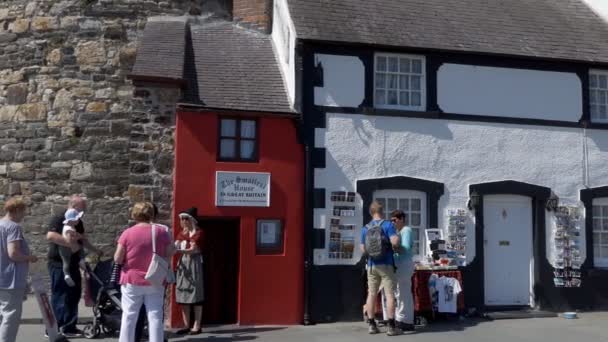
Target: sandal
(195,332)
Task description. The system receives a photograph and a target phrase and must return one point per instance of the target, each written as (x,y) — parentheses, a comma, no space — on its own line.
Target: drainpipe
(308,233)
(303,97)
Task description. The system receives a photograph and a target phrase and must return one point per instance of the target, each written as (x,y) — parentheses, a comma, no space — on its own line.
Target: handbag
(159,266)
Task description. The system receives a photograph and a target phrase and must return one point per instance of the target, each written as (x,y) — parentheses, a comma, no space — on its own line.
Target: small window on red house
(238,140)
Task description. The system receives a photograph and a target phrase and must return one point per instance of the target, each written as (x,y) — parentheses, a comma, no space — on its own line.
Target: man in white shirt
(404,313)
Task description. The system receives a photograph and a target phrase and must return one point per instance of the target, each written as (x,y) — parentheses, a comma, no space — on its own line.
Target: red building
(245,282)
(238,160)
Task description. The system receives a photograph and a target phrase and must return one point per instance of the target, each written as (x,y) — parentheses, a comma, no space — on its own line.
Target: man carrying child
(66,287)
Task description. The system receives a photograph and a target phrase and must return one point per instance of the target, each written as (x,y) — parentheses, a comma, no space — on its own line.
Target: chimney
(212,8)
(255,14)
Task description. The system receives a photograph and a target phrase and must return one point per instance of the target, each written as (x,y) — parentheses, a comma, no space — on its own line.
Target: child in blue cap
(72,218)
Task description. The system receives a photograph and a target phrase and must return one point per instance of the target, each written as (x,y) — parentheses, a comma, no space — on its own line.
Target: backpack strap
(369,225)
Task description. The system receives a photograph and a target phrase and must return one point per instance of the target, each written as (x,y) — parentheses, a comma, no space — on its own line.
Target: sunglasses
(183,218)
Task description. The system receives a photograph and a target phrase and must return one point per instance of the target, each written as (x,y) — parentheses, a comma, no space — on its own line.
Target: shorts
(381,276)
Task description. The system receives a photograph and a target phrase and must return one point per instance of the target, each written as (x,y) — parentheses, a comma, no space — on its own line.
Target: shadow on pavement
(216,334)
(222,338)
(449,324)
(252,330)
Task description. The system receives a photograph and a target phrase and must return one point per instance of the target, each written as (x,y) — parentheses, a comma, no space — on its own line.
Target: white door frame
(507,198)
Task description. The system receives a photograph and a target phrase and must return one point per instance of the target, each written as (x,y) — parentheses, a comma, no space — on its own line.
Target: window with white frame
(399,82)
(598,95)
(600,232)
(413,204)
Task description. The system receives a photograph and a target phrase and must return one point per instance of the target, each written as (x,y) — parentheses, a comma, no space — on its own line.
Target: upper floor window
(600,232)
(598,95)
(238,140)
(400,82)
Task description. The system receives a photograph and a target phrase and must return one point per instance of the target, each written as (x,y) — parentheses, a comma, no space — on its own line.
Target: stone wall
(71,122)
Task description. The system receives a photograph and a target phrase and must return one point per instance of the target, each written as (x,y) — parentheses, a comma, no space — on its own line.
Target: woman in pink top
(134,253)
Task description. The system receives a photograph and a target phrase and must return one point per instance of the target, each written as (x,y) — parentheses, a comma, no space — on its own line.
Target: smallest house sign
(242,189)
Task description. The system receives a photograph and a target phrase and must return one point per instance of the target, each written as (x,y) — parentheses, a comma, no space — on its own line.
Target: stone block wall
(71,122)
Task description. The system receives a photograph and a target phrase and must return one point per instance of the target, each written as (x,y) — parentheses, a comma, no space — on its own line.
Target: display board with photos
(342,226)
(457,235)
(566,247)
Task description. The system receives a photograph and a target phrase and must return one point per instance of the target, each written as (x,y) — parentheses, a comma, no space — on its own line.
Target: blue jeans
(64,299)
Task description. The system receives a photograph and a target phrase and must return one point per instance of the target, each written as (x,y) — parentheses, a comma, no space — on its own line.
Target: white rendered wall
(343,81)
(457,154)
(284,39)
(516,93)
(599,6)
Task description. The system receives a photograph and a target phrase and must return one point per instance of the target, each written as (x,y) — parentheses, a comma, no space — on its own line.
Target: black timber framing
(546,295)
(595,280)
(336,292)
(434,60)
(433,191)
(474,272)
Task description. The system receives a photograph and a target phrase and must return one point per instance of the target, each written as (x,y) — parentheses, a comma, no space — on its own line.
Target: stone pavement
(590,327)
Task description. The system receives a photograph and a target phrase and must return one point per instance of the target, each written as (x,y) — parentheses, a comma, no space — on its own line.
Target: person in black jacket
(64,298)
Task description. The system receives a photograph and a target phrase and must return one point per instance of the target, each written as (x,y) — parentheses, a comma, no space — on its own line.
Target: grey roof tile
(222,65)
(552,29)
(236,68)
(161,51)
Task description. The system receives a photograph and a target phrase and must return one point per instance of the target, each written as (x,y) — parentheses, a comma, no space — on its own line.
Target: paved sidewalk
(590,327)
(31,312)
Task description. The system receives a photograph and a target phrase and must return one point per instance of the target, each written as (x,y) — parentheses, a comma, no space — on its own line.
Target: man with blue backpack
(378,239)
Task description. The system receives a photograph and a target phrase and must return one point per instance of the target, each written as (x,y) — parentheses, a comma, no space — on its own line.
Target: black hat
(192,212)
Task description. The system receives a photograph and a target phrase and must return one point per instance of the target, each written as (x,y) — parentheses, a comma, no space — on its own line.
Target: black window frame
(587,196)
(238,138)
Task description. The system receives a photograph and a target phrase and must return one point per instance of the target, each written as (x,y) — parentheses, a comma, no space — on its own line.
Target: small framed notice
(269,237)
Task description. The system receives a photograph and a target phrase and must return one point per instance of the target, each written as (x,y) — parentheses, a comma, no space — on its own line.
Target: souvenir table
(420,287)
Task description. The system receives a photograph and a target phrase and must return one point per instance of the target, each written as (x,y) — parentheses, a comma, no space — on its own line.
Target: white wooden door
(507,250)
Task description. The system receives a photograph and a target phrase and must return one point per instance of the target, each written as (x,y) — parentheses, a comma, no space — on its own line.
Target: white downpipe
(585,159)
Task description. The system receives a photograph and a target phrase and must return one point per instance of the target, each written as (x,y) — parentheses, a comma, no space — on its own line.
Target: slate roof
(161,50)
(221,65)
(236,68)
(553,29)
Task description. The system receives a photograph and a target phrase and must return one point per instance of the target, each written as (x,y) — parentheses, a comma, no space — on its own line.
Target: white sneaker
(69,281)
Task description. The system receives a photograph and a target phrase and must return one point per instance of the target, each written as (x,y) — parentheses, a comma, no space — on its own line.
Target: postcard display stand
(457,235)
(567,256)
(342,226)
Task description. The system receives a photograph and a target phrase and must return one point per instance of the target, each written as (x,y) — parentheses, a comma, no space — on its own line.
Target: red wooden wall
(270,287)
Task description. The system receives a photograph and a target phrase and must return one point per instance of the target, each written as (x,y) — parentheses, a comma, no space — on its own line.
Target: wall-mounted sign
(269,237)
(242,189)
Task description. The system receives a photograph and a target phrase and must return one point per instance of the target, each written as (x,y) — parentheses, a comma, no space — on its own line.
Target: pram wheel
(91,331)
(109,331)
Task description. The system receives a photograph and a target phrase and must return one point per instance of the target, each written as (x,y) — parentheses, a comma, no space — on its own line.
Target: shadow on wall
(599,137)
(436,128)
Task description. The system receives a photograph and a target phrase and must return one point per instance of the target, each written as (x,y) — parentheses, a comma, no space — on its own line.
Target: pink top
(137,242)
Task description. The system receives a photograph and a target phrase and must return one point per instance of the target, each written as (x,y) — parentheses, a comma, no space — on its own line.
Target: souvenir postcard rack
(341,229)
(567,255)
(457,235)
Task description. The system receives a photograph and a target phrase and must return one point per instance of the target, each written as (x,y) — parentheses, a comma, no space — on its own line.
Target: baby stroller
(107,311)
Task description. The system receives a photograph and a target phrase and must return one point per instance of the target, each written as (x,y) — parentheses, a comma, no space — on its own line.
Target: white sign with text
(242,189)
